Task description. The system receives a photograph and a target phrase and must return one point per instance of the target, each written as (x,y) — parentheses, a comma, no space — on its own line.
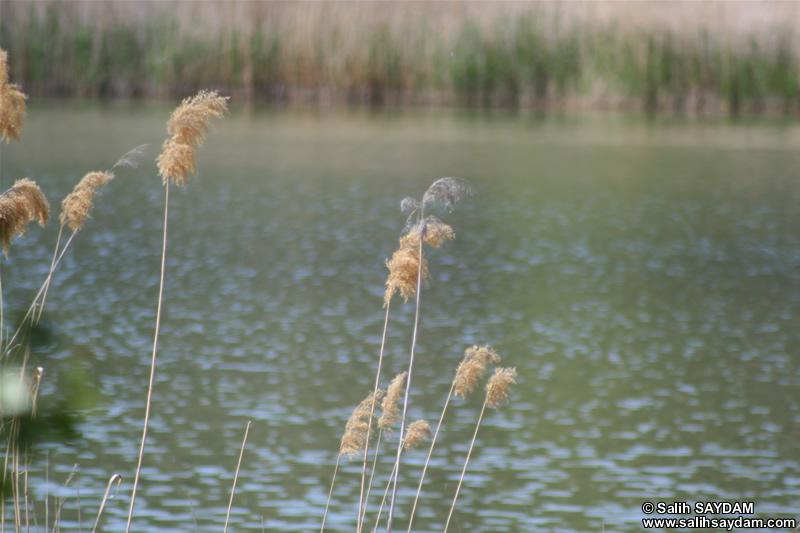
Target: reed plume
(468,373)
(187,126)
(12,103)
(358,430)
(77,205)
(497,390)
(404,266)
(23,203)
(418,432)
(476,361)
(499,385)
(391,413)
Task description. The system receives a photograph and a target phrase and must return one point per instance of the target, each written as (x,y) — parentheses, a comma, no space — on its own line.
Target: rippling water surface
(643,277)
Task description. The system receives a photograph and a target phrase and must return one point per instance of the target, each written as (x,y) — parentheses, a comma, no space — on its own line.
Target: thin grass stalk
(50,274)
(371,477)
(330,492)
(408,382)
(153,363)
(8,346)
(118,479)
(9,449)
(385,495)
(36,381)
(428,459)
(362,502)
(464,470)
(236,476)
(60,501)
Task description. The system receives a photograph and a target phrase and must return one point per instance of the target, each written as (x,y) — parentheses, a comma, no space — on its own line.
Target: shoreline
(599,55)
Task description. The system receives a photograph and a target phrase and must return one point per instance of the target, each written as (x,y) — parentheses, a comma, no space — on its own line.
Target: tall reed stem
(464,471)
(153,363)
(236,476)
(385,494)
(330,492)
(371,478)
(428,460)
(408,382)
(362,504)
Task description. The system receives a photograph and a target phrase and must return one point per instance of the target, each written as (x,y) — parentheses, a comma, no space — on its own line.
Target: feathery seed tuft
(472,368)
(391,413)
(187,126)
(418,432)
(498,386)
(78,204)
(357,430)
(21,204)
(12,103)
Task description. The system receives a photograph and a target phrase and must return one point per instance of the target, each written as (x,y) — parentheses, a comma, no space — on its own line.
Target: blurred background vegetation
(719,57)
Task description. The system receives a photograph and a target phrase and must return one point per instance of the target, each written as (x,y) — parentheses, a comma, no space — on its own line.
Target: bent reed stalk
(236,476)
(470,370)
(446,191)
(186,126)
(496,394)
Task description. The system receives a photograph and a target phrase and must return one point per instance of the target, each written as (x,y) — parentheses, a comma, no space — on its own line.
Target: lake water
(643,276)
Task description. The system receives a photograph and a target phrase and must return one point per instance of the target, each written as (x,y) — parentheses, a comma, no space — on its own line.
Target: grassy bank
(546,55)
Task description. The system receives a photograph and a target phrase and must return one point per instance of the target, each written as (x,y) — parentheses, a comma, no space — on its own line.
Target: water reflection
(642,277)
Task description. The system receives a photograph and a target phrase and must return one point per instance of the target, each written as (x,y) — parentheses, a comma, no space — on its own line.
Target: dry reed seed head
(77,205)
(186,126)
(436,232)
(391,412)
(13,220)
(3,67)
(176,162)
(357,430)
(418,432)
(38,207)
(21,204)
(499,385)
(403,270)
(472,368)
(190,120)
(12,103)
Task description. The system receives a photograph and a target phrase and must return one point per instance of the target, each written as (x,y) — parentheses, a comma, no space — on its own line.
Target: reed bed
(684,57)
